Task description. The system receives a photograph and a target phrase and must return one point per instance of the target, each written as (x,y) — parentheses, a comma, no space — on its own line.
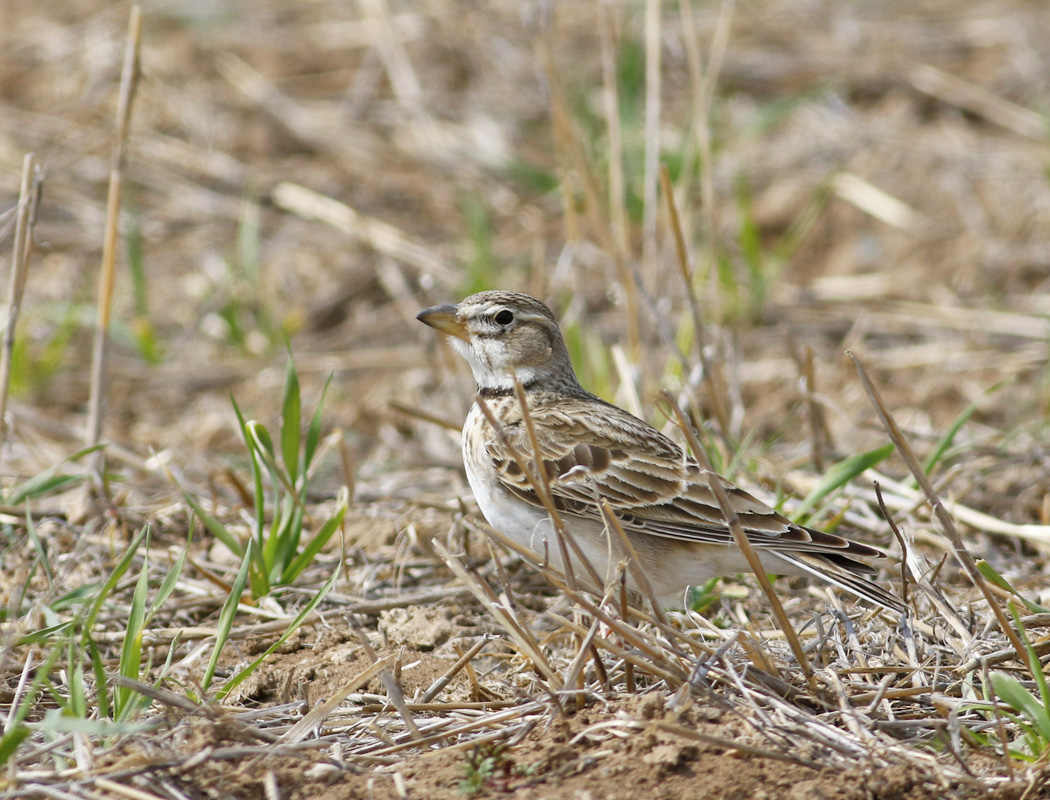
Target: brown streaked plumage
(656,491)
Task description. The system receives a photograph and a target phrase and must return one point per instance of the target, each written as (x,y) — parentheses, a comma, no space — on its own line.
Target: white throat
(490,376)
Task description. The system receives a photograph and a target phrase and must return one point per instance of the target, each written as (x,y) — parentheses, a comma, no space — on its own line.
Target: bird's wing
(648,481)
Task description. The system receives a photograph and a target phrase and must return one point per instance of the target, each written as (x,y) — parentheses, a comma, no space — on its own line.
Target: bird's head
(502,334)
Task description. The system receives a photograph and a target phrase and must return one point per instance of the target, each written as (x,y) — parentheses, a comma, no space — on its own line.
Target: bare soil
(319,172)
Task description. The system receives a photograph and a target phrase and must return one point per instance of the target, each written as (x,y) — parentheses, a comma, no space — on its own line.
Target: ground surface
(319,172)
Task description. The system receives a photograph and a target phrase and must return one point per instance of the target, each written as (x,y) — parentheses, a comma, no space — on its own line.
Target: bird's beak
(444,318)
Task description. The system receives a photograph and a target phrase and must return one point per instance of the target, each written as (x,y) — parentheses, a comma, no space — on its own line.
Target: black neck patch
(493,392)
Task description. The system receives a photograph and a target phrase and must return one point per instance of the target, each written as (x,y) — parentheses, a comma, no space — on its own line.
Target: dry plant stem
(569,140)
(316,715)
(490,721)
(715,382)
(129,78)
(380,236)
(541,489)
(28,198)
(1042,649)
(904,497)
(817,425)
(634,563)
(599,668)
(739,747)
(575,168)
(651,648)
(348,144)
(706,93)
(628,668)
(426,416)
(783,622)
(542,479)
(472,676)
(399,70)
(120,790)
(611,103)
(168,698)
(939,511)
(900,540)
(480,705)
(392,689)
(963,94)
(652,133)
(501,573)
(649,661)
(623,627)
(574,674)
(443,681)
(522,636)
(674,636)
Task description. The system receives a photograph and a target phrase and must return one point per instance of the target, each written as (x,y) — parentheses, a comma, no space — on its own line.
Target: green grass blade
(313,433)
(141,327)
(479,266)
(991,575)
(44,635)
(949,436)
(77,704)
(305,558)
(12,738)
(75,597)
(241,676)
(264,448)
(749,240)
(228,614)
(289,543)
(1012,693)
(291,413)
(55,722)
(40,485)
(257,483)
(945,441)
(1036,668)
(114,577)
(168,586)
(47,481)
(838,475)
(277,539)
(173,648)
(14,727)
(102,696)
(249,237)
(41,551)
(77,691)
(262,441)
(216,528)
(131,647)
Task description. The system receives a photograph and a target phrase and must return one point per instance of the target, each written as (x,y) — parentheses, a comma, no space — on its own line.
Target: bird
(590,449)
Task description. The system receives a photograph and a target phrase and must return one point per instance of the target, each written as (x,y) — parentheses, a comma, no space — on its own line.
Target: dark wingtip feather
(839,543)
(845,573)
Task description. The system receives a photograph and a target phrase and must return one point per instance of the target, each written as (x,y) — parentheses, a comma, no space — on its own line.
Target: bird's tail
(845,573)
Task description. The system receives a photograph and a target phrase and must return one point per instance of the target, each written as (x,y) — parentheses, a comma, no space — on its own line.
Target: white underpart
(529,525)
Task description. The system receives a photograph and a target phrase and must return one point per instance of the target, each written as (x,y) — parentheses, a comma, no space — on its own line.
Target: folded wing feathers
(656,489)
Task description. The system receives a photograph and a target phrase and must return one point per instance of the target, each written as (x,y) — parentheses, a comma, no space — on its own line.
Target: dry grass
(876,184)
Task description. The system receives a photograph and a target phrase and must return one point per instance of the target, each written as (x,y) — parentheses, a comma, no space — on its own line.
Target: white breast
(504,512)
(527,524)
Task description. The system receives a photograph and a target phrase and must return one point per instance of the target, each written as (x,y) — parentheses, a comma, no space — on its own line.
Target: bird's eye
(504,317)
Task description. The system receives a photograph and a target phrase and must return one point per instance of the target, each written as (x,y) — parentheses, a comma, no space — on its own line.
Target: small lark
(657,492)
